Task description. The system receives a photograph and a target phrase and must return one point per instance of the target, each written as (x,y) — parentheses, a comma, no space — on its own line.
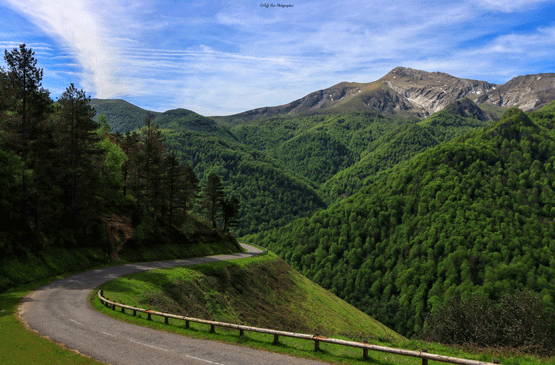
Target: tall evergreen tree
(230,212)
(175,176)
(212,196)
(27,106)
(190,189)
(82,157)
(151,167)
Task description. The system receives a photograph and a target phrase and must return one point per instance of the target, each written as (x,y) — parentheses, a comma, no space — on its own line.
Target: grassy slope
(263,292)
(311,304)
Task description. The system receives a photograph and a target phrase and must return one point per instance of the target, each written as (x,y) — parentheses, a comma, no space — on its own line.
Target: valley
(418,186)
(400,196)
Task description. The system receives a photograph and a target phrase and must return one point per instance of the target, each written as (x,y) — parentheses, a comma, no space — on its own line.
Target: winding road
(61,312)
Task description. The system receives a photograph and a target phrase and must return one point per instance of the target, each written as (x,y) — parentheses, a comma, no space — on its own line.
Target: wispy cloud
(509,5)
(230,56)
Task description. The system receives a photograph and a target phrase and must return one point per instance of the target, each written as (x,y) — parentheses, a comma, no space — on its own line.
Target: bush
(519,320)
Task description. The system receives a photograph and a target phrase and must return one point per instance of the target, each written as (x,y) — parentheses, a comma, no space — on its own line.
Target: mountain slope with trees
(470,216)
(68,183)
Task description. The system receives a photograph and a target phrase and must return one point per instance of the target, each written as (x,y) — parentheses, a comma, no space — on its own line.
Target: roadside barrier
(424,355)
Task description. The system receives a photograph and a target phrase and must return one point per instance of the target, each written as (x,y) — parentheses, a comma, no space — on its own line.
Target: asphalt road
(61,312)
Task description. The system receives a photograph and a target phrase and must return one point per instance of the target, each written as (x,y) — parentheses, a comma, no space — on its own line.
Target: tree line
(61,172)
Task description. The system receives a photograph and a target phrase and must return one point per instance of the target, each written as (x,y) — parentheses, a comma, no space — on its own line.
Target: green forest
(473,216)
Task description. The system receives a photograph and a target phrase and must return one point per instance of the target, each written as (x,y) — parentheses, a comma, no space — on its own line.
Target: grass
(318,309)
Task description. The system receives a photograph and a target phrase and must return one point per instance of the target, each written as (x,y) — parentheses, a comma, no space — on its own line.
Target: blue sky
(225,57)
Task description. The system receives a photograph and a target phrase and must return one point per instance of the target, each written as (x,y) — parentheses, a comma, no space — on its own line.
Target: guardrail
(424,355)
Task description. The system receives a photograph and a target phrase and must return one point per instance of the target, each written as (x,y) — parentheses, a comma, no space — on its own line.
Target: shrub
(519,320)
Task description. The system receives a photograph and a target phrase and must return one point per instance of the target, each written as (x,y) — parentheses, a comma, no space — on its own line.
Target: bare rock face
(530,92)
(433,91)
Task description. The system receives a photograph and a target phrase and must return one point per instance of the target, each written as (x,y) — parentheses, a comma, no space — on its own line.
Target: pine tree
(82,157)
(190,189)
(27,106)
(230,212)
(212,196)
(151,167)
(175,177)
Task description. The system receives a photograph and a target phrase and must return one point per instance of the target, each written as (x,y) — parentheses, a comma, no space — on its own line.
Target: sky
(229,56)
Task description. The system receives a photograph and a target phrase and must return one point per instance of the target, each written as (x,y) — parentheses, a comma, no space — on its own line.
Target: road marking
(144,344)
(74,321)
(208,361)
(109,334)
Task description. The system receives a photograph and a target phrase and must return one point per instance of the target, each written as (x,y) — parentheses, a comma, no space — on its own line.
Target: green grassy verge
(319,310)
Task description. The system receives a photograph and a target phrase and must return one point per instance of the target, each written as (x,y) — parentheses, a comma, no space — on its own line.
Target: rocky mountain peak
(432,91)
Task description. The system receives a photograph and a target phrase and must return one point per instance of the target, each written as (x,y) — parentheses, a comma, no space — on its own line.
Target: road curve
(61,312)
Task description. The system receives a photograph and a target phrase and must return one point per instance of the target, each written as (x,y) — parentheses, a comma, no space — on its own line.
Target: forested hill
(474,215)
(284,168)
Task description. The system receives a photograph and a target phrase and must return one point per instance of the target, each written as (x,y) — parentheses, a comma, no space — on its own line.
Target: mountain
(187,120)
(530,92)
(432,91)
(470,216)
(406,91)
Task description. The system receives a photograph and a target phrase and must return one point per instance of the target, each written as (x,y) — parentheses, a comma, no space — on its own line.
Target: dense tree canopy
(471,216)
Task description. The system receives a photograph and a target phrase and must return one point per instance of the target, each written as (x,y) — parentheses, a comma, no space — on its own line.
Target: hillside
(262,292)
(474,215)
(269,195)
(402,143)
(123,116)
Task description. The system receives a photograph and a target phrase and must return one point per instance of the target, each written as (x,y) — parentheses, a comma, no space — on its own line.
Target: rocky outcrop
(530,92)
(433,91)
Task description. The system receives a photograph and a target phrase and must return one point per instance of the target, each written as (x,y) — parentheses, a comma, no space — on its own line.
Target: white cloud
(74,24)
(167,54)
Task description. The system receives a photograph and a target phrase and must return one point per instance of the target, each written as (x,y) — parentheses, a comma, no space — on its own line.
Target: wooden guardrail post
(424,361)
(123,308)
(212,329)
(242,331)
(276,339)
(316,345)
(186,324)
(149,315)
(134,313)
(365,351)
(166,320)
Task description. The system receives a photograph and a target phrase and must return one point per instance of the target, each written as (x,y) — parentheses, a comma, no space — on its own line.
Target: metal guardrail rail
(424,355)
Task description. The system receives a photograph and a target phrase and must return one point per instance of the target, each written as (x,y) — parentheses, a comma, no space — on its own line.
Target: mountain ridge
(414,92)
(403,90)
